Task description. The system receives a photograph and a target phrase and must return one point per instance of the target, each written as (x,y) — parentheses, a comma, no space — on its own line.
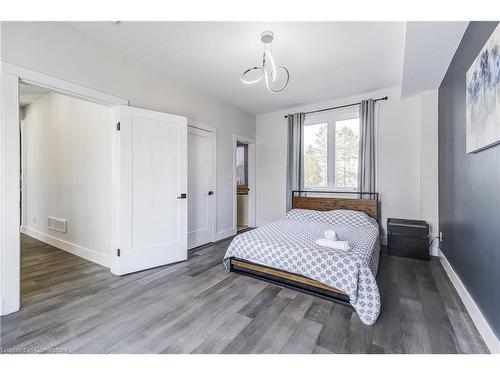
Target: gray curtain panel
(294,156)
(367,146)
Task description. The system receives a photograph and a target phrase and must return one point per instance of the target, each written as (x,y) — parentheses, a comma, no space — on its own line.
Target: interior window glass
(346,153)
(316,155)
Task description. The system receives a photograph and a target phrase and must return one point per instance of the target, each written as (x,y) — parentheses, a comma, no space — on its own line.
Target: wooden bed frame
(312,200)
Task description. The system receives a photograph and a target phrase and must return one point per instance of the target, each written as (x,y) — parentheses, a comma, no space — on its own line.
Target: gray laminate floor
(72,305)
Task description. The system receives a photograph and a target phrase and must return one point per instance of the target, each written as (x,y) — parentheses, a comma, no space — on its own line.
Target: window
(316,155)
(331,151)
(242,167)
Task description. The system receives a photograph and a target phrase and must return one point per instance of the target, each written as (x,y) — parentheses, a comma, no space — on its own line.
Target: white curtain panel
(295,126)
(367,146)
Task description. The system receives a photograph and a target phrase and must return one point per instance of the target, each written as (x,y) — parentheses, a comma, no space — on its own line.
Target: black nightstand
(408,238)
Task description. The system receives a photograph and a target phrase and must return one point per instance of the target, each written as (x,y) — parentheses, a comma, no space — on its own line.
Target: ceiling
(429,48)
(326,60)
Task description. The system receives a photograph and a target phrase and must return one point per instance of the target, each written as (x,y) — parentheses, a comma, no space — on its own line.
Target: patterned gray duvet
(289,244)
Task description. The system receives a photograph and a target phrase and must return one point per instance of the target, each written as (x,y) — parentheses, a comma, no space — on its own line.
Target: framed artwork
(483,97)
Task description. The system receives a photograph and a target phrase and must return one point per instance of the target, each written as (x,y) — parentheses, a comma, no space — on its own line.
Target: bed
(284,251)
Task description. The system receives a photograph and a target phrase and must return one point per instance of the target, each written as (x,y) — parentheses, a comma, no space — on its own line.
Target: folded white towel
(331,235)
(339,245)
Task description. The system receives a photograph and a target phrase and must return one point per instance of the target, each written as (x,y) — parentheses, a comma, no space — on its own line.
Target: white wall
(242,209)
(429,192)
(61,51)
(67,173)
(407,157)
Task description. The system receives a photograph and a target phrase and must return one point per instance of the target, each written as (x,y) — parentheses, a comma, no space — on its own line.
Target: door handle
(182,196)
(210,192)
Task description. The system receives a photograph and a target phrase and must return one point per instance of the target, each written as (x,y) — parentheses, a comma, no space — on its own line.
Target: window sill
(331,190)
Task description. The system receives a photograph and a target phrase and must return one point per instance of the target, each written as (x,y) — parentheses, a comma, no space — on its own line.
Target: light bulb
(248,71)
(273,66)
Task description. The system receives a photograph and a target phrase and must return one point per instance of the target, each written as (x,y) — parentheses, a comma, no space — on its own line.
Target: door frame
(213,134)
(10,251)
(252,179)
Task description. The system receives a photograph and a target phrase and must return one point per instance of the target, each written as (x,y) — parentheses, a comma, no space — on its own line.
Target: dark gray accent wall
(469,187)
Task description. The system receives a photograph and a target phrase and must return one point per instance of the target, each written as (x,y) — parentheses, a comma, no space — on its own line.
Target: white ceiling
(429,48)
(326,60)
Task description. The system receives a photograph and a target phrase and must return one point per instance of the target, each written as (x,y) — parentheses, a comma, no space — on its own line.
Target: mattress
(289,244)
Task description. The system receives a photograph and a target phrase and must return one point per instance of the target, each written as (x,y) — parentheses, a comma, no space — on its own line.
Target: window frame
(330,118)
(243,189)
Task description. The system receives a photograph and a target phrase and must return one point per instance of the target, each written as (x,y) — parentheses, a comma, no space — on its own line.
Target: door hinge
(118,252)
(118,126)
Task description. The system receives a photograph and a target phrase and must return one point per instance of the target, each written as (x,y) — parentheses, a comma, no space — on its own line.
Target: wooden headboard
(368,206)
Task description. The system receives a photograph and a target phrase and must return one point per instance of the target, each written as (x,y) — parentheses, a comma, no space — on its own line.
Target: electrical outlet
(440,236)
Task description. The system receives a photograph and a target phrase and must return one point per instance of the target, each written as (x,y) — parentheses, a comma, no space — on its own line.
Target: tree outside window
(331,154)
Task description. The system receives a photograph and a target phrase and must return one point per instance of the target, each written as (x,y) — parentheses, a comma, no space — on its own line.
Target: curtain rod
(342,106)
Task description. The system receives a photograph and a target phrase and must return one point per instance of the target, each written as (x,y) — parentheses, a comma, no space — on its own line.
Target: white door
(201,204)
(151,209)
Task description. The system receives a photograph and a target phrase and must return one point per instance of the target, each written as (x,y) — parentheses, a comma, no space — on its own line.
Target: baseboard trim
(434,250)
(486,332)
(72,248)
(225,234)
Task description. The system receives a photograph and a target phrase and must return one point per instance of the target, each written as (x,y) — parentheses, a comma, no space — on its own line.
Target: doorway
(10,164)
(65,191)
(244,183)
(65,173)
(242,186)
(201,185)
(148,214)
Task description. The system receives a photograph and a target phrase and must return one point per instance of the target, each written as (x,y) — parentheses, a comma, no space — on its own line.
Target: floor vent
(58,224)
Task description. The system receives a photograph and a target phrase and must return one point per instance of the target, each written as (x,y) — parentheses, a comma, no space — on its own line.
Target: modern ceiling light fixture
(273,74)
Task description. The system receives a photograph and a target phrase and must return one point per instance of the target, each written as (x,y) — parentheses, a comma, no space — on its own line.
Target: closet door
(151,183)
(201,204)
